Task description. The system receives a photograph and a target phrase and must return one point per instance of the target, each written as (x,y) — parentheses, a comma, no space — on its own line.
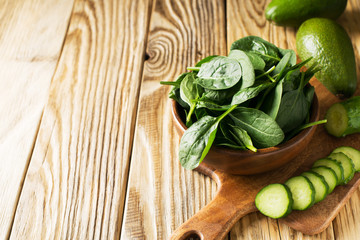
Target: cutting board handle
(216,219)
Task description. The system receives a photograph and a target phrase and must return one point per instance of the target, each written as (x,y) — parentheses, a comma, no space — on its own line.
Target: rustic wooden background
(88,149)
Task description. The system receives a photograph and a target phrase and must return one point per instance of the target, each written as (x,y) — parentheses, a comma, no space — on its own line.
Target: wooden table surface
(87,144)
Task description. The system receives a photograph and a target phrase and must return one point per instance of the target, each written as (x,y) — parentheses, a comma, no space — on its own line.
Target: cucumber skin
(352,107)
(293,13)
(322,179)
(345,149)
(350,177)
(312,192)
(331,187)
(341,178)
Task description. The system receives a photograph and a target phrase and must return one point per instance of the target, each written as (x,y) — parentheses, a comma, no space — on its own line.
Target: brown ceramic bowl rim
(283,146)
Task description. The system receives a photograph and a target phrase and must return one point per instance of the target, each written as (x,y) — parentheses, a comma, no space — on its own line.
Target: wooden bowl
(246,162)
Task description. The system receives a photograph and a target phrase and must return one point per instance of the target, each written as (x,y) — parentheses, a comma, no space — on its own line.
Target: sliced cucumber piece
(352,153)
(337,120)
(347,164)
(334,165)
(343,118)
(302,192)
(329,176)
(319,183)
(274,200)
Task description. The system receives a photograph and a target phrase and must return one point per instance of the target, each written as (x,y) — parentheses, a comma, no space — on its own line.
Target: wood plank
(161,194)
(75,185)
(347,224)
(31,37)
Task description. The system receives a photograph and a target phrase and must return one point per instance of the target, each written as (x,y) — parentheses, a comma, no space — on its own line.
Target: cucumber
(293,13)
(344,118)
(352,153)
(334,165)
(302,192)
(347,164)
(319,183)
(274,200)
(329,176)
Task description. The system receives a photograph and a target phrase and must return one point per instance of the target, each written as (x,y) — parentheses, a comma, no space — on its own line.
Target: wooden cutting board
(236,194)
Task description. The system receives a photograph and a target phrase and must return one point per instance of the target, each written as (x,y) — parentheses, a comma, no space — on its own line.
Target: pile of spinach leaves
(256,97)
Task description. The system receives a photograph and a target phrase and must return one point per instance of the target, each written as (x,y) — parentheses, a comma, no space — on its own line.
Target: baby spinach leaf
(205,60)
(177,82)
(188,118)
(175,91)
(248,93)
(282,66)
(219,73)
(198,139)
(257,62)
(200,112)
(293,110)
(201,62)
(230,145)
(291,80)
(311,71)
(267,51)
(266,75)
(248,72)
(205,103)
(226,138)
(225,132)
(189,92)
(263,130)
(301,64)
(175,94)
(294,107)
(257,45)
(242,138)
(309,94)
(271,104)
(292,60)
(221,96)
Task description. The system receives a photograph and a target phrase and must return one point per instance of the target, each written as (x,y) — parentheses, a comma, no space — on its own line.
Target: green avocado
(293,12)
(331,49)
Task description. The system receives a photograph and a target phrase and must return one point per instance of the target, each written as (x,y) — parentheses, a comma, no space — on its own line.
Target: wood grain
(86,178)
(31,38)
(160,192)
(75,185)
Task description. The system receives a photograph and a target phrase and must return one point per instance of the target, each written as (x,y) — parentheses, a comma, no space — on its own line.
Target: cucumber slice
(329,176)
(302,192)
(319,183)
(337,120)
(334,165)
(347,164)
(352,153)
(274,200)
(344,118)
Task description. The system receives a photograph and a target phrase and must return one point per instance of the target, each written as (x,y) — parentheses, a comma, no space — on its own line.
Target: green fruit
(330,47)
(293,12)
